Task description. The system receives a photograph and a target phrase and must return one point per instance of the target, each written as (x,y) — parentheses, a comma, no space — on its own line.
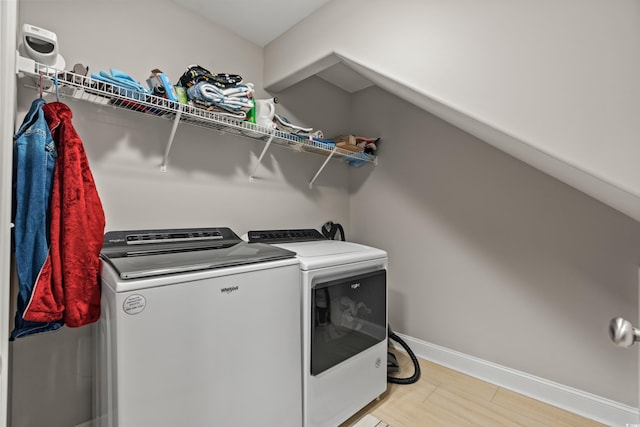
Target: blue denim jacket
(34,156)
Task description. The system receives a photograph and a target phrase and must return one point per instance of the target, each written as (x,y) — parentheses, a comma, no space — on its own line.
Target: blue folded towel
(133,89)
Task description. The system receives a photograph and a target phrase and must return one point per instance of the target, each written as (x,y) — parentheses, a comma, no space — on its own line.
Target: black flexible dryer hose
(416,365)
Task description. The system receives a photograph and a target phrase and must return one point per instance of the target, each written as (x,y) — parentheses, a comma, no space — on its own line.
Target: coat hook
(55,83)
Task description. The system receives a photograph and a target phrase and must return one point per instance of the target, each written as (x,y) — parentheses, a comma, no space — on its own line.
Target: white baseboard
(588,405)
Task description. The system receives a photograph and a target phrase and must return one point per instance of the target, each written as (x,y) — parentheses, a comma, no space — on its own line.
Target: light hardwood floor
(444,397)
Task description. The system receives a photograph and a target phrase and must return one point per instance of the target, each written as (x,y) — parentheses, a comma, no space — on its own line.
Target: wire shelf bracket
(321,168)
(172,135)
(264,151)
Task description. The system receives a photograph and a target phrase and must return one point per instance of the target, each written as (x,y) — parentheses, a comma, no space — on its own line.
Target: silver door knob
(622,332)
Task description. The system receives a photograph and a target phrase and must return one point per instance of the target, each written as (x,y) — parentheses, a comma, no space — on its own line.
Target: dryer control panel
(284,236)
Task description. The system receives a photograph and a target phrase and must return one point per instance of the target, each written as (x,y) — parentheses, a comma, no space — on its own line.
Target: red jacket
(68,286)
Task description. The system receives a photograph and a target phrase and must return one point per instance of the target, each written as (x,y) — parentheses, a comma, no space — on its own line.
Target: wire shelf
(84,88)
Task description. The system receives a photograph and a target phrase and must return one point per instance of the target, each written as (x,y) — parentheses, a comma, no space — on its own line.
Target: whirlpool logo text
(229,289)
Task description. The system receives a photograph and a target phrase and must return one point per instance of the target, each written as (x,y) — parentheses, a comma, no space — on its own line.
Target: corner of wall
(8,24)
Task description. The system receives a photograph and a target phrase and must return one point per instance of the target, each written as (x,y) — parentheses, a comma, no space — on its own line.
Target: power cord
(416,365)
(330,230)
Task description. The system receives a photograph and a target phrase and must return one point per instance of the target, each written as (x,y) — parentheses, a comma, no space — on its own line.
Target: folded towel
(240,115)
(238,98)
(119,79)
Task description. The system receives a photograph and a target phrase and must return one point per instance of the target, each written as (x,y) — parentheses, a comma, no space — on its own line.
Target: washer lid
(144,253)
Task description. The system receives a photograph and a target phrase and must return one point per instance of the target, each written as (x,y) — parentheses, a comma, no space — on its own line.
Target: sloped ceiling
(555,84)
(258,21)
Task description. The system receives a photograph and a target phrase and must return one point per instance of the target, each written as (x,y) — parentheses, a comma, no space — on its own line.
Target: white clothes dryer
(199,329)
(344,323)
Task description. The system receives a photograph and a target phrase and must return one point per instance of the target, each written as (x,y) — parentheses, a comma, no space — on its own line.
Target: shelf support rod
(176,121)
(321,168)
(264,151)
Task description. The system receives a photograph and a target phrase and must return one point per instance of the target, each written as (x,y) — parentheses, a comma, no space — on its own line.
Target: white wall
(207,182)
(492,258)
(553,83)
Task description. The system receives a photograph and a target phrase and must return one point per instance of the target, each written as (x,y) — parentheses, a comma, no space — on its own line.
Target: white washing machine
(198,329)
(344,323)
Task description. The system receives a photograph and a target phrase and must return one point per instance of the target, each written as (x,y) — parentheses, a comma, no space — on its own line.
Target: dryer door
(348,316)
